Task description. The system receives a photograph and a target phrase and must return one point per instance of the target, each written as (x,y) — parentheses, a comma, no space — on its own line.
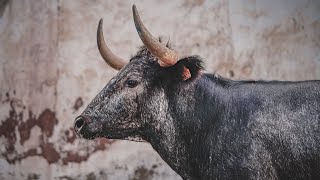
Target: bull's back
(258,130)
(285,126)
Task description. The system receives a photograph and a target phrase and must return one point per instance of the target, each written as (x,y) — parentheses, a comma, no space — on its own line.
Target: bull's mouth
(109,134)
(87,135)
(92,135)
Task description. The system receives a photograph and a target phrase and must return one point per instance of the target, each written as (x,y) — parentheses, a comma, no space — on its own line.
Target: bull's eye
(132,83)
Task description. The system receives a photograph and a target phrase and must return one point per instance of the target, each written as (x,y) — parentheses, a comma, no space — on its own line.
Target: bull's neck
(185,110)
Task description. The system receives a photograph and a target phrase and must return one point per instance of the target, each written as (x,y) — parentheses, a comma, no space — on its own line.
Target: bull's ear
(185,69)
(186,74)
(189,67)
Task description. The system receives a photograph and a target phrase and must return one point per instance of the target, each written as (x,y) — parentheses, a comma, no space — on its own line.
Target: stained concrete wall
(51,69)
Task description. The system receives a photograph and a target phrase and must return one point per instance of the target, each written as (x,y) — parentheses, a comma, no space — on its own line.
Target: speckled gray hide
(209,127)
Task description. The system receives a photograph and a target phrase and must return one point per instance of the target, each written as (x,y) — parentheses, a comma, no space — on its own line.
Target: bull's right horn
(110,58)
(166,56)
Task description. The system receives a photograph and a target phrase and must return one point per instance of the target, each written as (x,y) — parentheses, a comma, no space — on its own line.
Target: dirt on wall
(15,127)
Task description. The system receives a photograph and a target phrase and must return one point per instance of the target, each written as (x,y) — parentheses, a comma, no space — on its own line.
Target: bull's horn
(110,58)
(166,56)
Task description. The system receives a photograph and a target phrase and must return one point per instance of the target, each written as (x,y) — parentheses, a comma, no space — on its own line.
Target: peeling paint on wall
(15,127)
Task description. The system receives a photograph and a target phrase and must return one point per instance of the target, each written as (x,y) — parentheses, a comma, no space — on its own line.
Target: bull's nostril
(79,123)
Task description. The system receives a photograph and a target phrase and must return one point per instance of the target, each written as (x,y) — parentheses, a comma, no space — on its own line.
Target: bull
(203,125)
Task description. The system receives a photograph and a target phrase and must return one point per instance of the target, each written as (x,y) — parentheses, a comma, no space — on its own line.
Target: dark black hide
(208,127)
(247,129)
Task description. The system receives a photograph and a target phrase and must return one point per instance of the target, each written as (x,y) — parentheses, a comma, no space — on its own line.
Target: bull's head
(134,97)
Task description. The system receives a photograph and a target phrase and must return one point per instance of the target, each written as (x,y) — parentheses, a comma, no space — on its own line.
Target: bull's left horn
(166,56)
(110,58)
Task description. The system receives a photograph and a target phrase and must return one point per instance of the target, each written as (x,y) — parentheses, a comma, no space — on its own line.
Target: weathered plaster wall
(51,69)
